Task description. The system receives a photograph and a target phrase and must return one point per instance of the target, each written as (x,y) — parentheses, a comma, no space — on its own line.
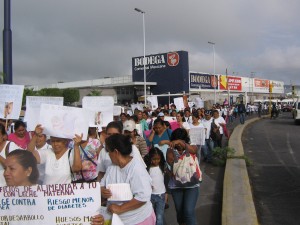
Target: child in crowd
(155,167)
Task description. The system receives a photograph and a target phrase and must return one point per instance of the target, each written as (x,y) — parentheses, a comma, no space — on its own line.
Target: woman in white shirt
(60,161)
(181,121)
(130,170)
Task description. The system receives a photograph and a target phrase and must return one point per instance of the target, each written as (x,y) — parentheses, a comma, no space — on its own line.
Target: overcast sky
(70,40)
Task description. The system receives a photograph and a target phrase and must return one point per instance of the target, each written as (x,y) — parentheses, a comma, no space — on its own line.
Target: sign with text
(203,81)
(57,204)
(197,136)
(102,106)
(11,101)
(33,106)
(260,85)
(179,103)
(65,122)
(153,102)
(230,83)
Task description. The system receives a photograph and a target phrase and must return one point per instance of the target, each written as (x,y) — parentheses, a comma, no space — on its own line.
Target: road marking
(288,143)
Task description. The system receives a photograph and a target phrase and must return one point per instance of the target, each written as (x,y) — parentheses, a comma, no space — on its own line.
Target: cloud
(75,40)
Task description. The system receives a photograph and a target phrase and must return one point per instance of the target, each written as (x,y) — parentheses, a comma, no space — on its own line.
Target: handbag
(185,169)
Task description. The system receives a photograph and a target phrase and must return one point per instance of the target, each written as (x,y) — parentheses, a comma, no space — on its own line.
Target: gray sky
(69,40)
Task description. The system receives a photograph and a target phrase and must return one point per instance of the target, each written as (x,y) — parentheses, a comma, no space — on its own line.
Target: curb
(238,206)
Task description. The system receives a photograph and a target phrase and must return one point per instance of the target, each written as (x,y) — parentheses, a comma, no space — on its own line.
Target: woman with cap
(129,129)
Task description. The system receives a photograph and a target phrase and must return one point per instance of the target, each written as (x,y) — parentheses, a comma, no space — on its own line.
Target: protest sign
(136,106)
(57,204)
(33,107)
(102,106)
(11,101)
(174,125)
(64,121)
(197,136)
(179,103)
(169,118)
(153,102)
(117,110)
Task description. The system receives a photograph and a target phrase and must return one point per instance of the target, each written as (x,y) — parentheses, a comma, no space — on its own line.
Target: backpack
(185,169)
(215,134)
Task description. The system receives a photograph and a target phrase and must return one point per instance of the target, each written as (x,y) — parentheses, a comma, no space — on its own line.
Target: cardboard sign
(11,101)
(153,102)
(65,122)
(33,107)
(102,106)
(57,204)
(179,103)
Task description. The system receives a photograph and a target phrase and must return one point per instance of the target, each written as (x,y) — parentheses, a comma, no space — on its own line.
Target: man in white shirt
(187,116)
(219,122)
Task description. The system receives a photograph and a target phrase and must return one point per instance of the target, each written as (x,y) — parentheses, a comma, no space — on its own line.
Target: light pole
(144,59)
(213,45)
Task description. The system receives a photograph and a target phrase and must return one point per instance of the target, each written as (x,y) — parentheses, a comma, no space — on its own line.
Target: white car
(296,112)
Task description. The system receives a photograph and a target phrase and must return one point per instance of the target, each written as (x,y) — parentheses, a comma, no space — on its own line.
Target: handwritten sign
(197,136)
(103,107)
(65,122)
(179,103)
(33,107)
(11,101)
(57,204)
(153,102)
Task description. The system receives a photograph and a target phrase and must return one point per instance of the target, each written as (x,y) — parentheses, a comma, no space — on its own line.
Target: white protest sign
(197,136)
(117,110)
(33,107)
(153,102)
(136,106)
(138,128)
(179,103)
(11,101)
(116,220)
(169,118)
(57,204)
(199,102)
(103,107)
(64,121)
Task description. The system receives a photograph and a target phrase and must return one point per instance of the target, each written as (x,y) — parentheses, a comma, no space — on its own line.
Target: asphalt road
(274,148)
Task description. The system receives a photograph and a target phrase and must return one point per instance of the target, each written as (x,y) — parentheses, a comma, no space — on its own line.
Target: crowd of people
(144,158)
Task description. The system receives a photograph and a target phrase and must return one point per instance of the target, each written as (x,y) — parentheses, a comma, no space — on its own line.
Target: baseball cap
(129,125)
(161,114)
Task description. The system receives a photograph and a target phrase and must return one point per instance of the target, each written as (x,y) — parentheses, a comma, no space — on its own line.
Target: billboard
(230,83)
(203,81)
(169,70)
(260,85)
(278,87)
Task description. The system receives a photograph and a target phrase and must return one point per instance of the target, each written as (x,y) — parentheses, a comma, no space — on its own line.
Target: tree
(28,92)
(95,93)
(71,96)
(54,92)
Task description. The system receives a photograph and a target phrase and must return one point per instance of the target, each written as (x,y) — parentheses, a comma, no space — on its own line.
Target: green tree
(28,92)
(71,96)
(2,77)
(54,92)
(95,93)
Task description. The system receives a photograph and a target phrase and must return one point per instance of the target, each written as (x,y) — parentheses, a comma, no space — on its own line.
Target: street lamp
(144,59)
(213,45)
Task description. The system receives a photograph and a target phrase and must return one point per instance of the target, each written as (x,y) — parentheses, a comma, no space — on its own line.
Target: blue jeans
(207,149)
(242,118)
(158,203)
(185,200)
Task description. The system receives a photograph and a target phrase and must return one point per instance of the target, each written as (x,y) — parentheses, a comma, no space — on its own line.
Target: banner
(260,85)
(136,106)
(102,106)
(33,107)
(58,204)
(203,81)
(65,122)
(230,83)
(11,101)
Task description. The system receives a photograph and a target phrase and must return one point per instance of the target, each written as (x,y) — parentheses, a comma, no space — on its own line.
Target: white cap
(129,125)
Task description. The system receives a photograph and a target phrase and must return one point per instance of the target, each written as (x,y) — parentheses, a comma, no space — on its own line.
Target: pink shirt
(22,143)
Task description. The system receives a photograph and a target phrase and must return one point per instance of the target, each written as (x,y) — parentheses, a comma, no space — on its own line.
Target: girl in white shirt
(155,167)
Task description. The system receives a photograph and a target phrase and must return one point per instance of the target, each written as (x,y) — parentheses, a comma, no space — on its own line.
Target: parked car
(287,108)
(296,112)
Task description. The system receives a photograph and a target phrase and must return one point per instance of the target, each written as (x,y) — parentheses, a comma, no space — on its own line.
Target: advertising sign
(278,87)
(260,85)
(58,204)
(203,81)
(230,83)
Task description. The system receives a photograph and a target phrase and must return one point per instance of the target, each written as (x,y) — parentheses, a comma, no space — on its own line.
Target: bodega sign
(203,81)
(158,61)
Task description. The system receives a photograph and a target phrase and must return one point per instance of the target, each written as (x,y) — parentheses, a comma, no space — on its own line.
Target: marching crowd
(149,159)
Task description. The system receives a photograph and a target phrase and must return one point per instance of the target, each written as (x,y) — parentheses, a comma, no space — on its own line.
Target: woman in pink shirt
(20,136)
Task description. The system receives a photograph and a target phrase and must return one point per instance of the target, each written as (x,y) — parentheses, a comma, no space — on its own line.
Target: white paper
(11,101)
(65,122)
(199,103)
(179,103)
(117,110)
(116,220)
(33,107)
(197,136)
(138,128)
(169,118)
(57,204)
(120,192)
(102,106)
(153,102)
(137,106)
